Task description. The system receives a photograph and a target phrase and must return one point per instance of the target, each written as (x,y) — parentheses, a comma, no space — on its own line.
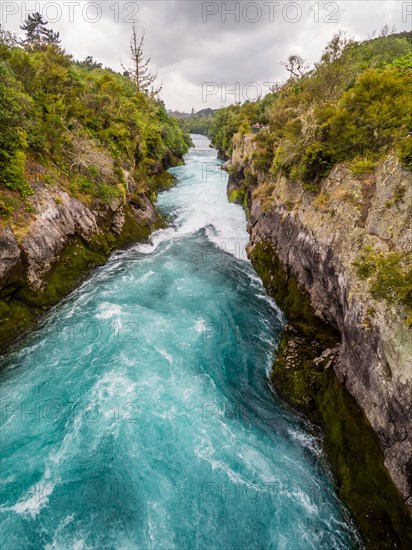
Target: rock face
(60,241)
(54,223)
(11,267)
(318,239)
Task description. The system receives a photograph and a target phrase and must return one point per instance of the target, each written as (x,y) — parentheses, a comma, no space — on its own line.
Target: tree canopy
(37,32)
(354,106)
(63,118)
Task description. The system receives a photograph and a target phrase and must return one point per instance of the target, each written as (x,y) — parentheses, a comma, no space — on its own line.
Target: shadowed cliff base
(303,376)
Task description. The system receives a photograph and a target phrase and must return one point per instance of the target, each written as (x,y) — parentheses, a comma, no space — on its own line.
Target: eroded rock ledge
(316,240)
(61,241)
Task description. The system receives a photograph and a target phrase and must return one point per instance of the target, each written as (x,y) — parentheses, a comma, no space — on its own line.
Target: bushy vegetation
(54,109)
(231,120)
(389,276)
(353,106)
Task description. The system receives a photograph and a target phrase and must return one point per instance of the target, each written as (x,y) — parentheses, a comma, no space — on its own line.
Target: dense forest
(54,108)
(352,106)
(198,123)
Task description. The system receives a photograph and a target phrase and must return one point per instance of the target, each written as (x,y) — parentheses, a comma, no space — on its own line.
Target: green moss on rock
(362,479)
(75,262)
(161,182)
(303,376)
(237,196)
(15,318)
(289,295)
(294,373)
(4,309)
(21,312)
(135,230)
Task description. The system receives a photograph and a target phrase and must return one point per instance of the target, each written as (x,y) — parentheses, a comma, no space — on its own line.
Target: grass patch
(361,166)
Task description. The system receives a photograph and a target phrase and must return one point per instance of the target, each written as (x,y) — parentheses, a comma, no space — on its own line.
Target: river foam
(140,414)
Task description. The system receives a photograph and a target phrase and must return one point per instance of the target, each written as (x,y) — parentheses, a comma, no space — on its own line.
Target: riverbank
(83,152)
(49,252)
(342,360)
(155,424)
(303,375)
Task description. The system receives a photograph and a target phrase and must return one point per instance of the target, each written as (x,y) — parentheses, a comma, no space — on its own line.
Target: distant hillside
(197,123)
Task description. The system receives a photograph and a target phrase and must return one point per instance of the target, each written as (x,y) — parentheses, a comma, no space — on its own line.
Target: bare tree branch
(140,73)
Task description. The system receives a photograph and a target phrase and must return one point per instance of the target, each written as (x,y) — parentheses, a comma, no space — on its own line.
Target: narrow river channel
(140,414)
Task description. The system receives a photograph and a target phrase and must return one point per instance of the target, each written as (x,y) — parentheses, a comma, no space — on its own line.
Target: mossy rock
(304,377)
(290,296)
(10,289)
(351,445)
(160,182)
(164,180)
(75,262)
(15,318)
(135,230)
(4,309)
(361,476)
(20,310)
(238,196)
(294,374)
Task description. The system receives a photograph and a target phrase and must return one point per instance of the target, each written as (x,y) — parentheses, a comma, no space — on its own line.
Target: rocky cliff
(47,251)
(320,240)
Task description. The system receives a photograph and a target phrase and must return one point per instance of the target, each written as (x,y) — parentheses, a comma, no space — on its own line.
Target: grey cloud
(188,51)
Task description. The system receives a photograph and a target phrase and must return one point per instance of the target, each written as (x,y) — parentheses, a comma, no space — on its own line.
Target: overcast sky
(210,53)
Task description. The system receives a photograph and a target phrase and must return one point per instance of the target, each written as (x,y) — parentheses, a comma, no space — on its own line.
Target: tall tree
(296,67)
(140,73)
(90,64)
(37,32)
(335,48)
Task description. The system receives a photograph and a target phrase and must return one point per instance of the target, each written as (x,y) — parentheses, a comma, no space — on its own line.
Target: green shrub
(263,157)
(30,208)
(93,171)
(6,210)
(389,276)
(47,101)
(353,107)
(404,63)
(108,194)
(12,173)
(82,184)
(316,164)
(400,193)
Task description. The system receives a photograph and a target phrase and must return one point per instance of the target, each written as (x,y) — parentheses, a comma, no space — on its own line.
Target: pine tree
(90,63)
(140,74)
(36,31)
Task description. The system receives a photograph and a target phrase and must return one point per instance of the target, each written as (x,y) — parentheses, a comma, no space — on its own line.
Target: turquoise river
(140,414)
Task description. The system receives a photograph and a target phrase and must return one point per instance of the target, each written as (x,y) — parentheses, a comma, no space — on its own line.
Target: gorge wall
(47,252)
(316,240)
